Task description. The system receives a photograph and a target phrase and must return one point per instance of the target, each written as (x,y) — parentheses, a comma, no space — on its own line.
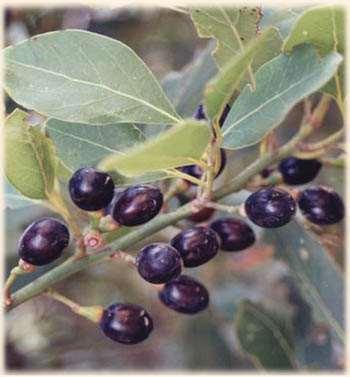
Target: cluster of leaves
(103,107)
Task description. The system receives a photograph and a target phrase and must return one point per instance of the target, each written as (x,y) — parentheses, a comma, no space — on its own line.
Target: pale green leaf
(80,145)
(220,90)
(280,84)
(324,27)
(231,27)
(29,159)
(78,76)
(178,146)
(15,200)
(266,337)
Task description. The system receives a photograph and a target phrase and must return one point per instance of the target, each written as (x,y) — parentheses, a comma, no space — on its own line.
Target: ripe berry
(137,205)
(321,205)
(43,241)
(270,207)
(185,295)
(199,114)
(126,323)
(90,189)
(296,171)
(235,234)
(158,263)
(196,245)
(196,171)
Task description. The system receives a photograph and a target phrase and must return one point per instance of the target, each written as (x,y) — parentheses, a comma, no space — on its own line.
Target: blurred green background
(42,334)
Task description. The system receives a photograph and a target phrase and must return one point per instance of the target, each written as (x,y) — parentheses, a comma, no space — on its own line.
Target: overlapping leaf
(280,84)
(30,158)
(78,76)
(178,146)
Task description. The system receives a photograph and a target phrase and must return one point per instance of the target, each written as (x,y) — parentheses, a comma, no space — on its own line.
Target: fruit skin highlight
(137,205)
(91,189)
(43,241)
(126,323)
(234,234)
(321,205)
(197,245)
(185,295)
(296,171)
(158,263)
(270,207)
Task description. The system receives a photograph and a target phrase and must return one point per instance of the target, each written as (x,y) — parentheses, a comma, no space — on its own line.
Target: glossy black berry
(196,171)
(196,245)
(90,189)
(234,234)
(199,114)
(185,295)
(126,323)
(321,205)
(270,207)
(158,263)
(296,171)
(137,205)
(43,241)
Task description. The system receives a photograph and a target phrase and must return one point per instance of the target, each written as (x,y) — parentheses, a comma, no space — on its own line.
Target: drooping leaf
(264,336)
(178,146)
(220,89)
(80,145)
(82,77)
(316,274)
(15,200)
(29,159)
(231,27)
(280,84)
(324,27)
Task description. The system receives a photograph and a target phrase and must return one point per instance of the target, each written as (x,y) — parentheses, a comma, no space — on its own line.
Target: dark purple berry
(185,295)
(90,189)
(126,323)
(137,205)
(199,114)
(43,241)
(266,173)
(270,207)
(196,171)
(196,245)
(224,115)
(235,234)
(321,205)
(158,263)
(296,171)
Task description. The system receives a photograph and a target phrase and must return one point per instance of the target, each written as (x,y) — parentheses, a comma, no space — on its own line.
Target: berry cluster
(163,263)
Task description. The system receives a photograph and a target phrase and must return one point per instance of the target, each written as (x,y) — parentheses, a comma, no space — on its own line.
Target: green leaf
(264,336)
(324,27)
(82,77)
(280,84)
(220,90)
(176,147)
(316,274)
(80,145)
(30,158)
(15,200)
(231,27)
